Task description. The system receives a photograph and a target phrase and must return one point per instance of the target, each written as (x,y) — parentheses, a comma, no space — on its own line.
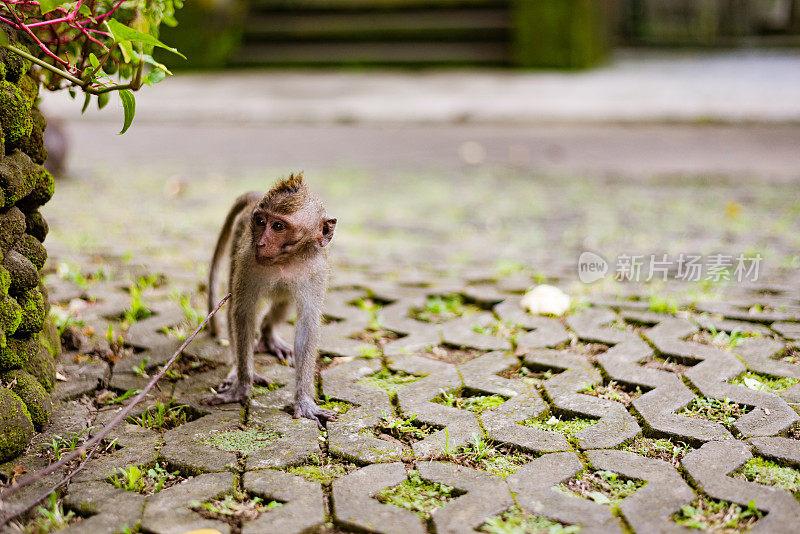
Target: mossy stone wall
(27,369)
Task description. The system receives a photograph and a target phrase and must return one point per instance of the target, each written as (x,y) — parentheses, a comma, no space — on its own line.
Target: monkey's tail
(222,242)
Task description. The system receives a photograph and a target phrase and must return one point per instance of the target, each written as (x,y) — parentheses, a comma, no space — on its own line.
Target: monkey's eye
(278,226)
(260,220)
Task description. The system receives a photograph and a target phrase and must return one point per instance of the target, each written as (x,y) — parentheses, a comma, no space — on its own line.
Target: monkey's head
(288,221)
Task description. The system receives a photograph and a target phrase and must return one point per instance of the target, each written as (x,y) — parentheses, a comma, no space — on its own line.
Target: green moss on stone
(16,428)
(33,311)
(32,394)
(5,279)
(33,145)
(36,225)
(30,88)
(18,175)
(16,66)
(15,112)
(12,226)
(42,191)
(23,274)
(32,248)
(17,352)
(10,316)
(43,367)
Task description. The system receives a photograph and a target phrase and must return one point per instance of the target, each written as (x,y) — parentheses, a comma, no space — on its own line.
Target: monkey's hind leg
(270,342)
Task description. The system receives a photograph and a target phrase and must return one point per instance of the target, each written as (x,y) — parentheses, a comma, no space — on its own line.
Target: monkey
(278,242)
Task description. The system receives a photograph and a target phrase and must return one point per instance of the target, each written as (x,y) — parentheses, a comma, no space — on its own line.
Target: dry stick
(41,473)
(43,496)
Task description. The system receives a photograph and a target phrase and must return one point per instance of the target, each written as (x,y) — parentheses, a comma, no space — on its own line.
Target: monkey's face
(278,238)
(274,237)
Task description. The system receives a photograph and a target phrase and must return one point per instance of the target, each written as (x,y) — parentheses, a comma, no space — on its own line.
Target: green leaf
(3,38)
(46,6)
(123,33)
(102,100)
(86,99)
(154,76)
(129,107)
(94,61)
(147,58)
(127,50)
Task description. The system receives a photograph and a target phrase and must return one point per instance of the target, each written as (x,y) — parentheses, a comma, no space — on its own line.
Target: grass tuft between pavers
(767,472)
(323,469)
(439,309)
(473,401)
(515,521)
(711,515)
(234,508)
(761,382)
(568,427)
(660,449)
(485,455)
(603,487)
(418,495)
(145,480)
(389,380)
(723,411)
(243,441)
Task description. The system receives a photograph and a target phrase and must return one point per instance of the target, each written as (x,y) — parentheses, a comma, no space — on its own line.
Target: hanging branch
(41,473)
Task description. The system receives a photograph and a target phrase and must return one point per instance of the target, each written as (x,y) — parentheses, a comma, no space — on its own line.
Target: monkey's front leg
(242,326)
(305,347)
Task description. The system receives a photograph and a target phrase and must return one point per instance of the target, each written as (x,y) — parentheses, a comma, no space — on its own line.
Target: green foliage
(147,481)
(236,507)
(760,382)
(323,470)
(66,444)
(770,473)
(50,519)
(162,416)
(488,456)
(141,369)
(515,521)
(715,516)
(370,352)
(406,429)
(418,495)
(663,304)
(389,380)
(568,427)
(661,449)
(440,309)
(473,402)
(723,411)
(603,487)
(339,407)
(122,41)
(137,310)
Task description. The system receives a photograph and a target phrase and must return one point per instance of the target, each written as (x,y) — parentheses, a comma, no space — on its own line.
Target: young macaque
(278,253)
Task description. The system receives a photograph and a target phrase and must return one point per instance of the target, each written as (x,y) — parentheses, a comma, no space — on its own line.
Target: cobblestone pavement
(493,408)
(652,407)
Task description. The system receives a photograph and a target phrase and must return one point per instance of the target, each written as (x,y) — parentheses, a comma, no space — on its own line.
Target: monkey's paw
(275,345)
(308,408)
(227,397)
(258,380)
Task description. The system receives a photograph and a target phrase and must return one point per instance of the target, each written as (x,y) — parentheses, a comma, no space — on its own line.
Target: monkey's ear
(326,231)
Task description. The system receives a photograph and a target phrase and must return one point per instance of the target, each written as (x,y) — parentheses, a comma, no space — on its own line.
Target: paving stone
(782,450)
(486,496)
(533,485)
(303,506)
(709,467)
(543,332)
(105,508)
(139,446)
(461,333)
(615,425)
(299,439)
(169,511)
(787,330)
(82,378)
(650,508)
(350,436)
(524,403)
(185,447)
(458,427)
(355,507)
